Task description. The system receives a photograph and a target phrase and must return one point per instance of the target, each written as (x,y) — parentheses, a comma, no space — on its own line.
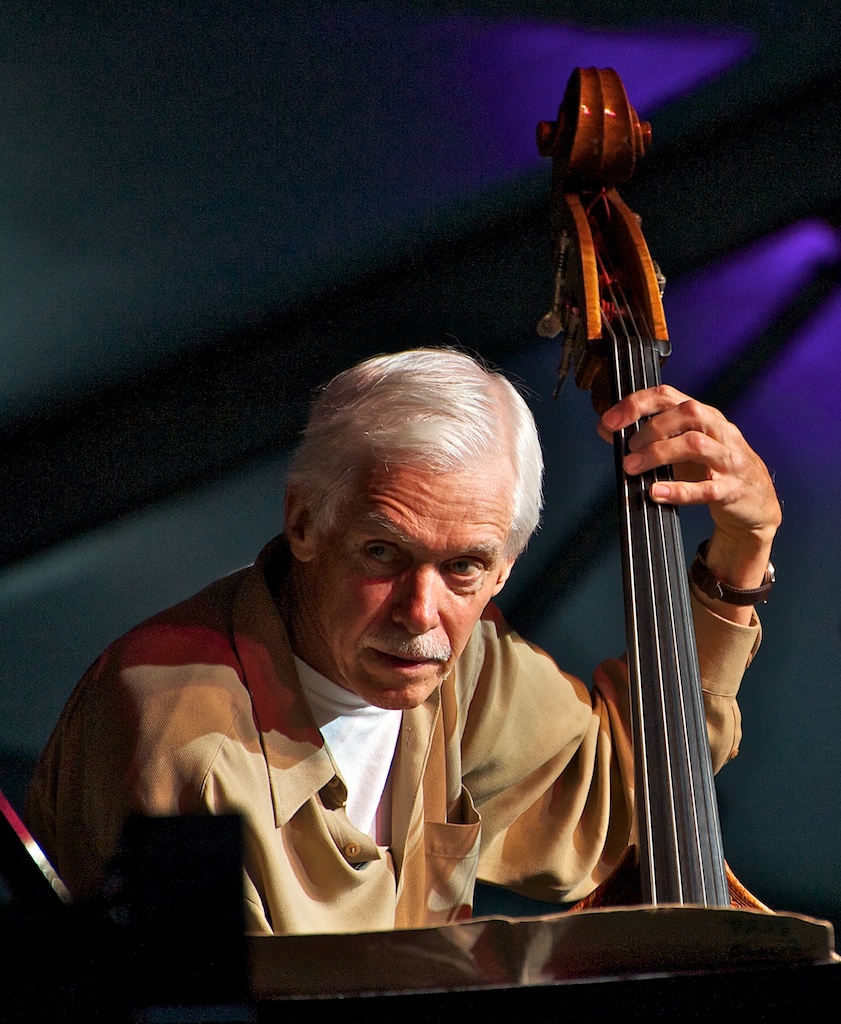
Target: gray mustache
(402,646)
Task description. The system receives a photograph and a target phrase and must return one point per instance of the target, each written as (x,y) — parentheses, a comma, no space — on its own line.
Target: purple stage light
(449,104)
(717,311)
(519,72)
(793,407)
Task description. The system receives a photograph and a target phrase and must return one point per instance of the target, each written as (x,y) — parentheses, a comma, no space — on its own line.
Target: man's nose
(416,601)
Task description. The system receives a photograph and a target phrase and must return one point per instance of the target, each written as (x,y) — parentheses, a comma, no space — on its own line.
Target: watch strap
(704,579)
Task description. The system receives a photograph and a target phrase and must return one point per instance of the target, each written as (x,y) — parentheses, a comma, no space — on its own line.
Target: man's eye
(383,554)
(466,568)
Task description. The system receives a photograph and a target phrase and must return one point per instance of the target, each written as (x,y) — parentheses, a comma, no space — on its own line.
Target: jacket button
(352,850)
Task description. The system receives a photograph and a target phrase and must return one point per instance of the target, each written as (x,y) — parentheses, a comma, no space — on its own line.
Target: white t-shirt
(361,739)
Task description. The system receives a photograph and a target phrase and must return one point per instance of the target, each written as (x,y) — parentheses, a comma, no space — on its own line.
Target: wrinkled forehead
(405,498)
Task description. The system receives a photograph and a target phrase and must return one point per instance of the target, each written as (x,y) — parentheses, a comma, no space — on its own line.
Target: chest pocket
(451,860)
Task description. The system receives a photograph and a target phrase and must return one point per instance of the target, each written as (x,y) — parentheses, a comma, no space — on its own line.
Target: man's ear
(504,573)
(300,531)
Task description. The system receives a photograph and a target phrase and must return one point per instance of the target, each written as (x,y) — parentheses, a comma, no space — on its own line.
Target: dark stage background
(208,207)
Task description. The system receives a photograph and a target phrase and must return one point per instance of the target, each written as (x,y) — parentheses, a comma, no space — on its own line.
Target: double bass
(607,309)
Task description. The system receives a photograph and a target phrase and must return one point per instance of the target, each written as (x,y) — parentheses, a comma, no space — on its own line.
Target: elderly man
(357,697)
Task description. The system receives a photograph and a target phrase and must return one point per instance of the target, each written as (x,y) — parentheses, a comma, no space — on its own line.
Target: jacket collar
(297,760)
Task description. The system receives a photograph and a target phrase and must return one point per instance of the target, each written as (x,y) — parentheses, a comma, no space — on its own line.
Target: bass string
(639,370)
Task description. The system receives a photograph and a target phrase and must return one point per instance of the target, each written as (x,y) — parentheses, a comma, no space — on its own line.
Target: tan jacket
(511,771)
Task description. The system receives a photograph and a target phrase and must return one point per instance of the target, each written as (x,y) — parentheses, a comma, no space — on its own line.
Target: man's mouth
(406,660)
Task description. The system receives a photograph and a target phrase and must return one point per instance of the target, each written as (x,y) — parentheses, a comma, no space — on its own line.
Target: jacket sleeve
(549,762)
(135,737)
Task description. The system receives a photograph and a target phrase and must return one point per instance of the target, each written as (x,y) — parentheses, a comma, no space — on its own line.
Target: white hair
(429,407)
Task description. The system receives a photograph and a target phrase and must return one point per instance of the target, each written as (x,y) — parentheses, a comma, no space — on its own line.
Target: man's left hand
(712,465)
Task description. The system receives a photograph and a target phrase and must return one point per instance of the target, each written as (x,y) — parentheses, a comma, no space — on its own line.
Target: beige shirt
(511,771)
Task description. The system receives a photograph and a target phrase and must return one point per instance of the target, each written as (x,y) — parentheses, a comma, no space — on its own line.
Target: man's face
(385,604)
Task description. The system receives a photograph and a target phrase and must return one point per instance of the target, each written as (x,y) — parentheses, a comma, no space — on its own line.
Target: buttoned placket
(357,848)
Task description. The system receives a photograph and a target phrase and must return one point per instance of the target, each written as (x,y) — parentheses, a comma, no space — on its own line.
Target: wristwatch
(701,575)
